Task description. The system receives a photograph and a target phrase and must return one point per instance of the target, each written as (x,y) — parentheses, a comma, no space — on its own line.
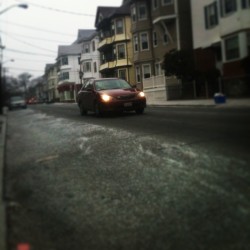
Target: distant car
(17,102)
(110,94)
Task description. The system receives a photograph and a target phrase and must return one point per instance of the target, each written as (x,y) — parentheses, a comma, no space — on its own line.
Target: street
(173,178)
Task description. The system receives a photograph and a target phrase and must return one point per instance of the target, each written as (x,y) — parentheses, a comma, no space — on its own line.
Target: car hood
(17,102)
(118,92)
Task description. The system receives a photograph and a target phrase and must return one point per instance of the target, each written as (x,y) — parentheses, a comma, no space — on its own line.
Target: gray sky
(31,36)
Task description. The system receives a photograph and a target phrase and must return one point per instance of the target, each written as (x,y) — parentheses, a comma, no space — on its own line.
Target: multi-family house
(221,41)
(113,25)
(158,27)
(90,57)
(68,64)
(51,78)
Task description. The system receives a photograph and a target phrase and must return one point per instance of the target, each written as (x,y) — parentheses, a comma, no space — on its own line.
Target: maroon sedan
(110,94)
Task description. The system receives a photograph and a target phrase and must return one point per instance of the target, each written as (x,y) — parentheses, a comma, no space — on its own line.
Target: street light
(21,5)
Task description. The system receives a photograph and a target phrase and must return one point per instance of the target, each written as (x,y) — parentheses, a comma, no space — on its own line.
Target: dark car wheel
(139,111)
(83,111)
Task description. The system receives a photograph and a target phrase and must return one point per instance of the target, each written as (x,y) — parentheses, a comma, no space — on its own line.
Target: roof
(85,35)
(105,11)
(109,12)
(66,50)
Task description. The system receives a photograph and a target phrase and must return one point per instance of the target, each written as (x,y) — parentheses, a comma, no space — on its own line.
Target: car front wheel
(83,111)
(139,111)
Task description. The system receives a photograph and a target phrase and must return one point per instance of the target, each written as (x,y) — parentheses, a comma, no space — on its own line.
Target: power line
(59,10)
(25,69)
(27,60)
(29,53)
(31,37)
(35,28)
(37,47)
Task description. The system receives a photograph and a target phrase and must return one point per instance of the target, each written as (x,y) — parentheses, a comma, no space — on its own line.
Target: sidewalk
(3,125)
(244,102)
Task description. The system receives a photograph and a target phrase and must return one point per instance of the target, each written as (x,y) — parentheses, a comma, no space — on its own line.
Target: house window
(158,70)
(211,16)
(119,26)
(227,7)
(65,60)
(245,4)
(79,60)
(86,48)
(121,51)
(146,71)
(65,76)
(93,45)
(122,73)
(136,43)
(142,11)
(166,2)
(138,74)
(232,48)
(155,41)
(144,41)
(155,4)
(133,13)
(87,67)
(95,67)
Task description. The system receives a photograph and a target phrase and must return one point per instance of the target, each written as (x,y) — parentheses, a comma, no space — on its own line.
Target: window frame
(118,53)
(64,60)
(133,13)
(136,43)
(163,3)
(211,19)
(65,76)
(141,41)
(117,32)
(138,74)
(140,18)
(143,70)
(229,57)
(223,7)
(155,4)
(155,39)
(87,69)
(119,75)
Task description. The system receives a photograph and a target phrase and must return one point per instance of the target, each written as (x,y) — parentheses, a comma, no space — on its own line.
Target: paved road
(174,178)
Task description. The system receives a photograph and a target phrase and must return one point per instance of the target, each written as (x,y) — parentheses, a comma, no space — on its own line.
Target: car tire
(83,111)
(139,111)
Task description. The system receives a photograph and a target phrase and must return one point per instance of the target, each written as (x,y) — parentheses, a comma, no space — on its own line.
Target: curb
(3,232)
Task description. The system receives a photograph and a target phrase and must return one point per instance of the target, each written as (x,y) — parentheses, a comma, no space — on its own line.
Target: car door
(89,95)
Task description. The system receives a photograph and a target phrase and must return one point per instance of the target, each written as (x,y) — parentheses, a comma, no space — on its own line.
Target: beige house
(51,79)
(113,25)
(158,26)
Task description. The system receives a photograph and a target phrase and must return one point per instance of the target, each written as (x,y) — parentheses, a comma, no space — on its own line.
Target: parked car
(110,94)
(17,102)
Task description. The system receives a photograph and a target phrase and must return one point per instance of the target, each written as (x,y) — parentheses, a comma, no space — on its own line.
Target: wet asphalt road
(174,178)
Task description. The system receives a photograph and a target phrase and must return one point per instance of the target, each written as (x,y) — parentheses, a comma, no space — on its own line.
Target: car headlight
(106,98)
(141,94)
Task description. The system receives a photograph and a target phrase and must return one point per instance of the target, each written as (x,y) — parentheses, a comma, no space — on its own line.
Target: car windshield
(16,98)
(112,84)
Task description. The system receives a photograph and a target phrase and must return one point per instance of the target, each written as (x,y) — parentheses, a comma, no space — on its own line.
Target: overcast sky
(31,36)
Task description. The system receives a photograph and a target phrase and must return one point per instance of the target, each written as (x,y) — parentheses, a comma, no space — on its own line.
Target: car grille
(126,97)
